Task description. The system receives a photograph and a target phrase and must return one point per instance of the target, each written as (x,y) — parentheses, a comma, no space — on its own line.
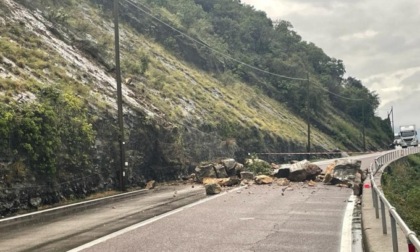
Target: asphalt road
(257,218)
(79,228)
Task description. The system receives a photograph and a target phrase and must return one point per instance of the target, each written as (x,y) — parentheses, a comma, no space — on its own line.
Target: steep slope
(59,136)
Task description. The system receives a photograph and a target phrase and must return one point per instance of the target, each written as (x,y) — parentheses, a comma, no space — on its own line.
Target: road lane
(259,218)
(79,228)
(312,212)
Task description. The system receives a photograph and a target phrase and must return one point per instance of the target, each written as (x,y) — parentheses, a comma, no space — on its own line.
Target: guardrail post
(375,201)
(373,192)
(384,231)
(394,232)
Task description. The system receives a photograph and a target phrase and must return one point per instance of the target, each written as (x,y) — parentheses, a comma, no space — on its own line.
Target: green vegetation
(49,101)
(401,185)
(46,134)
(258,166)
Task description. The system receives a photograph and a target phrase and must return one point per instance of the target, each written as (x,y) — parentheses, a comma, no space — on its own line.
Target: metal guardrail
(380,164)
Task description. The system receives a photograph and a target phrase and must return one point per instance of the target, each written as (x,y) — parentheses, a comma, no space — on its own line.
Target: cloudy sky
(378,41)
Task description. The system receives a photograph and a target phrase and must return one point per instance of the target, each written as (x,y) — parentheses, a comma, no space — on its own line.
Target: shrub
(258,166)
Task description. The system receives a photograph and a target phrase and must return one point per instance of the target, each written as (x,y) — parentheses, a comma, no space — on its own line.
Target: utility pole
(392,120)
(363,122)
(308,146)
(119,98)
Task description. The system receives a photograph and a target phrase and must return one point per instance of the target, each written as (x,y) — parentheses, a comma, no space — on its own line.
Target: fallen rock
(345,170)
(312,171)
(150,185)
(263,179)
(238,169)
(298,171)
(283,171)
(35,202)
(212,189)
(220,171)
(311,183)
(205,170)
(231,181)
(329,172)
(283,182)
(222,181)
(247,175)
(229,163)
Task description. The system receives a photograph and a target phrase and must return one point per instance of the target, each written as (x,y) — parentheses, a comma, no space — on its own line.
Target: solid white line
(146,222)
(346,232)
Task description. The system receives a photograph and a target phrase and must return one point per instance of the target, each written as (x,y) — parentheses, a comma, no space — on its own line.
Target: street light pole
(119,97)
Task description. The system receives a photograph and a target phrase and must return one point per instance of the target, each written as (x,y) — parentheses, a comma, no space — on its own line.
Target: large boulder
(212,189)
(283,171)
(298,171)
(228,163)
(205,170)
(220,171)
(345,170)
(312,171)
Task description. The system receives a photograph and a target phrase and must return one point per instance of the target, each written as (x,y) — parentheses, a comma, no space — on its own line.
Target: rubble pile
(227,172)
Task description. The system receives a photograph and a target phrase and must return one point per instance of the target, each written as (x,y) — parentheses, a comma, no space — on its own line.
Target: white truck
(408,135)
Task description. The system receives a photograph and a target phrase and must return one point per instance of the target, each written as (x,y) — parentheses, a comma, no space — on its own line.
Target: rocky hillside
(58,110)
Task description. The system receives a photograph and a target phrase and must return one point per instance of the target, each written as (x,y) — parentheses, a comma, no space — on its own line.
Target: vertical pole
(364,131)
(384,231)
(119,98)
(394,233)
(392,120)
(308,146)
(375,203)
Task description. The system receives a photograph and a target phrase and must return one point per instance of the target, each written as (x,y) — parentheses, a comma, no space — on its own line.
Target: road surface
(256,218)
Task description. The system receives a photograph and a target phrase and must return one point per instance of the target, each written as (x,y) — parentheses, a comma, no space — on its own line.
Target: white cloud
(378,43)
(359,35)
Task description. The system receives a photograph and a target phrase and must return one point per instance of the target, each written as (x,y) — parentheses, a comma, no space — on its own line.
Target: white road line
(346,232)
(146,222)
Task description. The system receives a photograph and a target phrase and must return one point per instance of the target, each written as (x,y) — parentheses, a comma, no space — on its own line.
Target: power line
(209,47)
(228,56)
(335,94)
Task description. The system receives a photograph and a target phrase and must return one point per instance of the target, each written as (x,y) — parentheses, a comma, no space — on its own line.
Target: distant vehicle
(408,135)
(398,141)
